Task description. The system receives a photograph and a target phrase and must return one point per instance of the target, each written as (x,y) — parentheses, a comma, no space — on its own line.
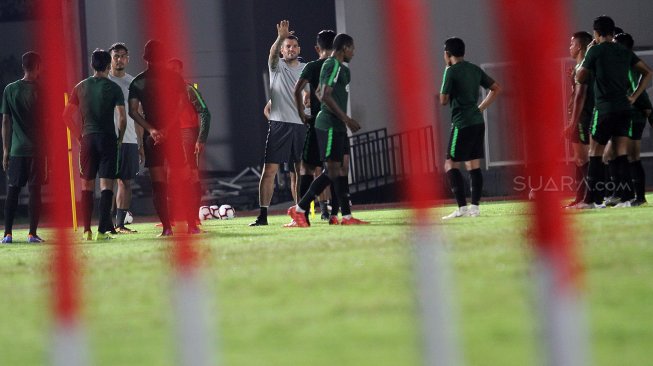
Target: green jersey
(335,75)
(610,63)
(97,99)
(643,102)
(20,101)
(160,92)
(461,81)
(311,72)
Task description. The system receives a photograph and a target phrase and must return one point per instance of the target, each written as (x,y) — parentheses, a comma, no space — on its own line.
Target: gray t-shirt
(130,132)
(282,92)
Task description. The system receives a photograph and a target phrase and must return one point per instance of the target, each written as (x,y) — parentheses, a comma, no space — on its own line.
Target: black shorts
(334,145)
(311,153)
(467,143)
(581,134)
(98,156)
(637,124)
(189,139)
(285,142)
(608,125)
(170,151)
(27,170)
(128,164)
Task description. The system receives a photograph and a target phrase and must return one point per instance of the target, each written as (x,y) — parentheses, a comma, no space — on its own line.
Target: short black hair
(455,47)
(292,36)
(31,60)
(176,61)
(118,46)
(584,38)
(341,41)
(604,26)
(625,40)
(325,39)
(618,30)
(154,51)
(100,60)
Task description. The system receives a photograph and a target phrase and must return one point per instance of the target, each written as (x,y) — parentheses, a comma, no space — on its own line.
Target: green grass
(336,295)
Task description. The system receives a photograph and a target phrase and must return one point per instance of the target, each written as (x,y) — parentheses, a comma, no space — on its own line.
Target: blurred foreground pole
(412,89)
(68,342)
(534,35)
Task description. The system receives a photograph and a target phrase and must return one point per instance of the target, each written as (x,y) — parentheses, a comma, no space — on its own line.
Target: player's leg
(154,161)
(452,165)
(600,135)
(15,176)
(622,141)
(636,168)
(108,168)
(178,180)
(189,140)
(89,163)
(37,178)
(128,168)
(581,161)
(105,225)
(476,183)
(611,172)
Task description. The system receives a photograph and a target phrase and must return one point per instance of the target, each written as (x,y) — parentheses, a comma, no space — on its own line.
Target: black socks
(457,186)
(34,207)
(476,181)
(87,209)
(639,179)
(160,198)
(316,187)
(11,203)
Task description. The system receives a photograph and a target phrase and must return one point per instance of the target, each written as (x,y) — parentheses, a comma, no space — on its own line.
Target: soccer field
(336,295)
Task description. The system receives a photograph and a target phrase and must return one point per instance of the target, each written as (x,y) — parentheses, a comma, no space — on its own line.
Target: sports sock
(198,195)
(11,203)
(581,185)
(595,180)
(612,177)
(190,211)
(476,180)
(341,193)
(263,212)
(335,203)
(34,206)
(624,189)
(457,186)
(639,179)
(87,209)
(305,181)
(120,217)
(318,185)
(160,199)
(106,196)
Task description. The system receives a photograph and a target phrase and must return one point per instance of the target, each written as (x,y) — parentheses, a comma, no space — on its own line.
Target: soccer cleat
(7,239)
(353,221)
(260,221)
(459,212)
(125,230)
(571,204)
(34,239)
(195,230)
(473,211)
(298,217)
(103,236)
(333,220)
(165,232)
(638,203)
(87,236)
(292,223)
(612,201)
(622,204)
(325,216)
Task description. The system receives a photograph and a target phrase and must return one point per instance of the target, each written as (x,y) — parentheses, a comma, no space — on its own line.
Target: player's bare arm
(333,106)
(267,109)
(444,99)
(122,122)
(135,114)
(299,103)
(582,75)
(68,118)
(644,81)
(283,31)
(578,101)
(6,140)
(495,89)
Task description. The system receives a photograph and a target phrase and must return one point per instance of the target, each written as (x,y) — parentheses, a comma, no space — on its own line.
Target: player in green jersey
(23,159)
(331,128)
(460,86)
(95,100)
(610,64)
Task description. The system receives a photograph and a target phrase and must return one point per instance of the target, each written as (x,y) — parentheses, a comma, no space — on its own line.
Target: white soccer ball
(214,211)
(205,213)
(226,212)
(129,218)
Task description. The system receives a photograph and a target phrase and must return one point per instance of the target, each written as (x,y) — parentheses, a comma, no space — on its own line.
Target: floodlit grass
(336,295)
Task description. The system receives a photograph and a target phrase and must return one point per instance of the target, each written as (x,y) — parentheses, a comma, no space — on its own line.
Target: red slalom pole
(412,85)
(533,35)
(68,342)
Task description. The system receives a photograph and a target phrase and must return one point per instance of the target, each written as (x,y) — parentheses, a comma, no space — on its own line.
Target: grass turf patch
(335,295)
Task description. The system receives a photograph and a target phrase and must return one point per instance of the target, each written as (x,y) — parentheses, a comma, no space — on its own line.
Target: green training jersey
(643,102)
(337,76)
(461,81)
(610,63)
(20,102)
(311,72)
(160,92)
(97,99)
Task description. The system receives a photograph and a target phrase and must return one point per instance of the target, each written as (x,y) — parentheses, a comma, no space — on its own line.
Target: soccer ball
(226,212)
(129,218)
(214,211)
(205,213)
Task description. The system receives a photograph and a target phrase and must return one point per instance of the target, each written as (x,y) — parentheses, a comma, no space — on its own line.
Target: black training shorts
(608,125)
(467,143)
(285,142)
(98,156)
(334,145)
(128,164)
(26,169)
(169,150)
(189,139)
(637,124)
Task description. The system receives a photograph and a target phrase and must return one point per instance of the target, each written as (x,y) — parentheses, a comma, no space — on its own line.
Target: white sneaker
(459,212)
(588,206)
(473,211)
(622,204)
(612,201)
